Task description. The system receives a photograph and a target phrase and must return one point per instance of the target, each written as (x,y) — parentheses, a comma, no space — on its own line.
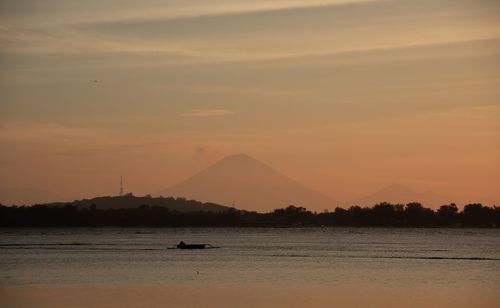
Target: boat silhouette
(183,245)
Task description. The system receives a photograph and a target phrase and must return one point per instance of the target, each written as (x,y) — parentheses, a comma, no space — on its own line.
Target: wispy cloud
(207,113)
(42,132)
(154,10)
(225,31)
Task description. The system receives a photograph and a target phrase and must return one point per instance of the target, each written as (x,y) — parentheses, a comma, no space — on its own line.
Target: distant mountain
(250,184)
(129,201)
(401,194)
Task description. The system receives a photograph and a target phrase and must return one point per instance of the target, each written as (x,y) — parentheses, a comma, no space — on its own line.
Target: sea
(396,257)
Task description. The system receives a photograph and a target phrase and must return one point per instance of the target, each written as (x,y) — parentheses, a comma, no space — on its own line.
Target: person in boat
(181,244)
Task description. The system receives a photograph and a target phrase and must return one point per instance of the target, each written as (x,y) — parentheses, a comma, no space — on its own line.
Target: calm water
(320,256)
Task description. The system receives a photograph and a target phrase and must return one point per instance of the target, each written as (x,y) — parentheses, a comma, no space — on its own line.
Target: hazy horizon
(344,96)
(240,181)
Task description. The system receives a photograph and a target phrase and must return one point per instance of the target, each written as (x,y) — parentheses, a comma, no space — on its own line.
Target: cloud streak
(262,30)
(205,113)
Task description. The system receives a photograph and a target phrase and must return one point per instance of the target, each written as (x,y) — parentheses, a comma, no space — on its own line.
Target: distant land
(129,201)
(250,185)
(401,194)
(242,182)
(131,211)
(128,210)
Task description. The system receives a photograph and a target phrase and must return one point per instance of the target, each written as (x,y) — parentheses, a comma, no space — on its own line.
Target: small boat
(183,245)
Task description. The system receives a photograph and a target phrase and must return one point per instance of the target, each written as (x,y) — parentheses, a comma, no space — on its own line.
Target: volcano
(248,184)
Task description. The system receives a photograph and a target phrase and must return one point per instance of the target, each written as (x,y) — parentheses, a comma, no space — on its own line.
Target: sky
(345,96)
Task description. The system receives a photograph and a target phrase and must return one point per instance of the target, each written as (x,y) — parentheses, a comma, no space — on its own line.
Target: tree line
(383,214)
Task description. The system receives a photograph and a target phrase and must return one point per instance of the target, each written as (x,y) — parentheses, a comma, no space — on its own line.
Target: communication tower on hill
(121,185)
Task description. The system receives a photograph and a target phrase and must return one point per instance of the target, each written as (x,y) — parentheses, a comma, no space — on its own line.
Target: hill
(130,201)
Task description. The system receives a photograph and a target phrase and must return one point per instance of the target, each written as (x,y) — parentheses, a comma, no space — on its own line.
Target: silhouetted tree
(359,215)
(416,215)
(293,214)
(478,215)
(156,212)
(447,215)
(387,214)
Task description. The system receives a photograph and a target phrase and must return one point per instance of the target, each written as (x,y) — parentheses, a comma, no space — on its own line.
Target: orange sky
(344,96)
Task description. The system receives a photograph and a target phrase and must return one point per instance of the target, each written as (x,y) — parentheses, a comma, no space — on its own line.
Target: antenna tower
(121,185)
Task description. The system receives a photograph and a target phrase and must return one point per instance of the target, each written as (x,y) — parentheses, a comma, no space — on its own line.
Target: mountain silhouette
(401,194)
(249,185)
